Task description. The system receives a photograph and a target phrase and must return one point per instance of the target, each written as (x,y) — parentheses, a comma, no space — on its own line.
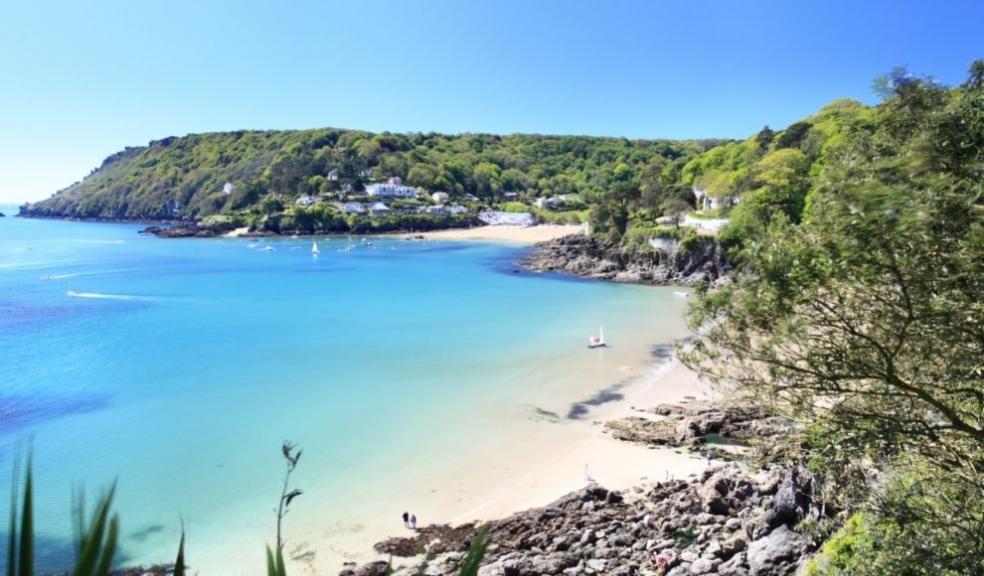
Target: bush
(515,207)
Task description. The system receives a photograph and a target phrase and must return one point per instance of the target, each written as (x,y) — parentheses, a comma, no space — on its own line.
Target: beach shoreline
(507,233)
(554,459)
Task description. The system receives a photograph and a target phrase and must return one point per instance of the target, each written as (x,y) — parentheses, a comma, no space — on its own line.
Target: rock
(701,566)
(713,492)
(377,568)
(736,566)
(789,505)
(584,255)
(597,564)
(776,554)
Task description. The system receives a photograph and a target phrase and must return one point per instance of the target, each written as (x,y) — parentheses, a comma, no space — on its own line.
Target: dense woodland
(185,178)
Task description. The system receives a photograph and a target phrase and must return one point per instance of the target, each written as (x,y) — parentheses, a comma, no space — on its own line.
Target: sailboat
(314,249)
(599,340)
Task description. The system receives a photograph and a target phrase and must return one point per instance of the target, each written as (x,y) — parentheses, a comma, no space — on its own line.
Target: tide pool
(177,368)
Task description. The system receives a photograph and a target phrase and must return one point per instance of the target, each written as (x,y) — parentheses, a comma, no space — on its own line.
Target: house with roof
(353,208)
(392,188)
(379,209)
(306,200)
(440,197)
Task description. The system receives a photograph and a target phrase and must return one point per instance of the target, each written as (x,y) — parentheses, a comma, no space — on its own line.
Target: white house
(456,209)
(435,210)
(228,187)
(549,203)
(440,197)
(392,188)
(379,209)
(353,208)
(305,200)
(707,202)
(332,175)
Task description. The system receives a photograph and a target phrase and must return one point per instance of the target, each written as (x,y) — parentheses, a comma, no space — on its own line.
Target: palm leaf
(179,564)
(25,556)
(96,547)
(271,565)
(476,552)
(281,569)
(12,542)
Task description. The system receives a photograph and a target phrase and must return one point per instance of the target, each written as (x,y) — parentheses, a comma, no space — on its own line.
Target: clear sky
(80,80)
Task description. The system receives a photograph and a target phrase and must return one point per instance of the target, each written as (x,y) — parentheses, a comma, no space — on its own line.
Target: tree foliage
(865,318)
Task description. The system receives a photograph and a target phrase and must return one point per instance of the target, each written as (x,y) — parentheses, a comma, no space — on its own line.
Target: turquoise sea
(177,367)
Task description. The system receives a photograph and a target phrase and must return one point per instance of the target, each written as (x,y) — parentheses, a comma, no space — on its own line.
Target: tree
(868,320)
(488,180)
(676,208)
(764,137)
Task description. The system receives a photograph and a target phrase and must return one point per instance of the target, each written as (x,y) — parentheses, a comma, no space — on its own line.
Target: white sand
(516,234)
(237,233)
(540,462)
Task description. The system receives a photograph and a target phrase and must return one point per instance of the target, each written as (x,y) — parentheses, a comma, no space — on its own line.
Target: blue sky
(80,80)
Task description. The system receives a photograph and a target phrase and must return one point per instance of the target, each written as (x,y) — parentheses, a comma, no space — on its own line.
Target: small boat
(599,340)
(314,249)
(269,249)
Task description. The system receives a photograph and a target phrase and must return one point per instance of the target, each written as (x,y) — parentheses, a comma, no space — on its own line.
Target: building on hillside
(457,209)
(706,201)
(435,210)
(392,188)
(379,209)
(332,175)
(440,197)
(306,200)
(510,195)
(353,208)
(228,188)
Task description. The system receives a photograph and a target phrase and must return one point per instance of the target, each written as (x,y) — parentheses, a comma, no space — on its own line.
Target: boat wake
(101,296)
(92,273)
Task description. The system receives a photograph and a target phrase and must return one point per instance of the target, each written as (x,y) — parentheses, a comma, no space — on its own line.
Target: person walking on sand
(406,520)
(413,522)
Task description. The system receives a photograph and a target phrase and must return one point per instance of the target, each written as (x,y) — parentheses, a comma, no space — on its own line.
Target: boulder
(778,553)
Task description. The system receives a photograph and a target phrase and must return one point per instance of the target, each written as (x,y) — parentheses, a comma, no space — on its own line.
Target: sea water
(176,367)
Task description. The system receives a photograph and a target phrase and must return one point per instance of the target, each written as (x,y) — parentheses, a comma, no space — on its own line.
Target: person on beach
(406,520)
(413,522)
(587,474)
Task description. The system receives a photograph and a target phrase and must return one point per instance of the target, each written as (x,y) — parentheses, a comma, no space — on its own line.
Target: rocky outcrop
(690,424)
(725,521)
(701,260)
(186,230)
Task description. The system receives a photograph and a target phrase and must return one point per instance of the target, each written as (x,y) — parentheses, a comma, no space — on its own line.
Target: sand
(537,463)
(237,233)
(513,234)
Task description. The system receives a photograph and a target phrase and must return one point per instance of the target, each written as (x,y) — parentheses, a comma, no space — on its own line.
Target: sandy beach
(515,234)
(536,462)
